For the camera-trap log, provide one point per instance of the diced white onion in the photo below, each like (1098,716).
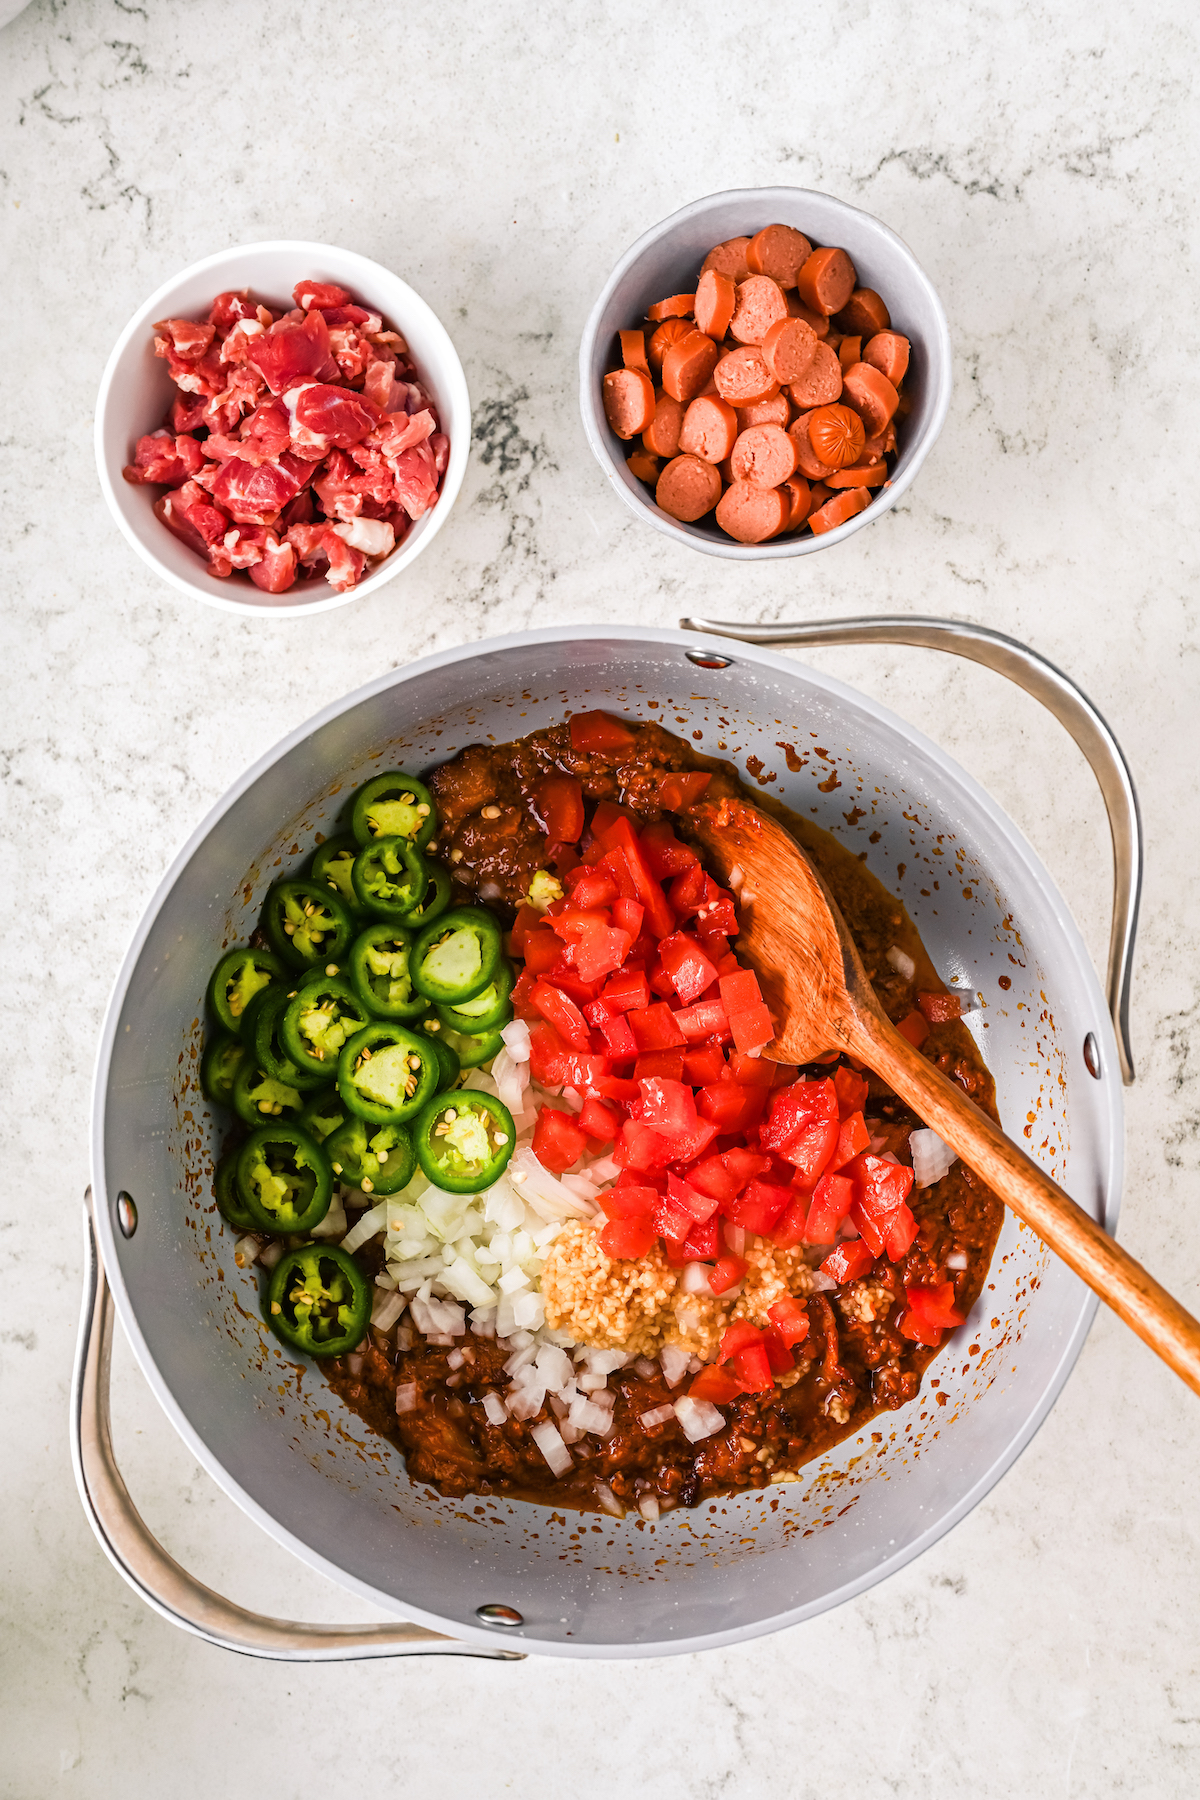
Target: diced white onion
(932,1156)
(270,1254)
(648,1507)
(820,1283)
(674,1364)
(608,1500)
(493,1406)
(516,1040)
(549,1441)
(902,962)
(369,1226)
(958,1259)
(335,1222)
(698,1418)
(245,1251)
(658,1415)
(695,1279)
(406,1397)
(387,1309)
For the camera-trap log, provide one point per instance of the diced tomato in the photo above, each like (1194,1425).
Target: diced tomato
(848,1261)
(758,1206)
(778,1355)
(547,1054)
(542,950)
(901,1233)
(629,1202)
(620,841)
(591,888)
(571,983)
(706,1019)
(599,732)
(832,1200)
(626,1238)
(628,915)
(881,1188)
(528,919)
(788,1229)
(672,1221)
(677,791)
(914,1028)
(665,855)
(600,950)
(615,1087)
(931,1311)
(557,1139)
(563,1014)
(731,1107)
(652,1064)
(617,869)
(737,1336)
(753,1369)
(654,1027)
(669,1106)
(638,1147)
(751,1071)
(583,1072)
(607,813)
(703,1242)
(660,982)
(627,991)
(803,1127)
(599,1121)
(790,1318)
(687,891)
(704,1064)
(727,1272)
(938,1009)
(717,1386)
(701,1206)
(851,1090)
(853,1139)
(613,1026)
(749,1020)
(688,968)
(726,1175)
(558,807)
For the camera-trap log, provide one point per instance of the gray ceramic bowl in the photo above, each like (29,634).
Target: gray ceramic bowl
(667,261)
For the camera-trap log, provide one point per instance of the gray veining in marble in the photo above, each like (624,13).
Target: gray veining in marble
(1042,161)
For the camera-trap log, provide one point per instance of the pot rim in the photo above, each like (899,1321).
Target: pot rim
(616,634)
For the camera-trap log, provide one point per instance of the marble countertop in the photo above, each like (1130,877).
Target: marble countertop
(1041,160)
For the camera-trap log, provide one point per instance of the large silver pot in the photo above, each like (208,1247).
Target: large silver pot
(695,1579)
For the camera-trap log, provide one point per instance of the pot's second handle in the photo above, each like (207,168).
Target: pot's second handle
(1070,706)
(156,1577)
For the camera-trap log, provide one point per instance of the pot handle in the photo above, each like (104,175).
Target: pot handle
(1070,706)
(156,1577)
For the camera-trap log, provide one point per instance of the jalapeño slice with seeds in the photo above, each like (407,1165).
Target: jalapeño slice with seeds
(306,922)
(488,1011)
(237,978)
(390,878)
(257,1097)
(317,1020)
(437,897)
(464,1140)
(457,956)
(283,1180)
(377,1159)
(469,1051)
(318,1301)
(394,805)
(446,1054)
(378,968)
(331,865)
(219,1066)
(386,1074)
(269,1046)
(229,1202)
(323,1114)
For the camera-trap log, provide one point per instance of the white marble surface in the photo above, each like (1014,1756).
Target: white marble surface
(1042,161)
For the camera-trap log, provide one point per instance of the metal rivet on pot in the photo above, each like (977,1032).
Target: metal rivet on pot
(500,1615)
(126,1214)
(1091,1055)
(708,659)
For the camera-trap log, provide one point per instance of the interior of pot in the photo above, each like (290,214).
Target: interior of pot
(274,1435)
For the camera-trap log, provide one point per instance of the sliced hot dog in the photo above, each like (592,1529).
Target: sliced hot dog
(871,395)
(644,466)
(661,340)
(823,382)
(688,364)
(865,313)
(776,410)
(633,350)
(849,352)
(788,349)
(843,506)
(628,401)
(760,303)
(765,456)
(728,258)
(798,310)
(887,351)
(688,488)
(800,499)
(819,495)
(807,460)
(743,378)
(752,514)
(675,306)
(661,436)
(710,428)
(716,296)
(826,281)
(860,475)
(778,251)
(836,435)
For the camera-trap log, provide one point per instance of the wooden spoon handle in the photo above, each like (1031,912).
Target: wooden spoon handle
(1098,1259)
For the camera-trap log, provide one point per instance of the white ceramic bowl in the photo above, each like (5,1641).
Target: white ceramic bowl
(667,261)
(136,390)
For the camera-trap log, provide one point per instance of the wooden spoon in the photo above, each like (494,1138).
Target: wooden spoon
(814,983)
